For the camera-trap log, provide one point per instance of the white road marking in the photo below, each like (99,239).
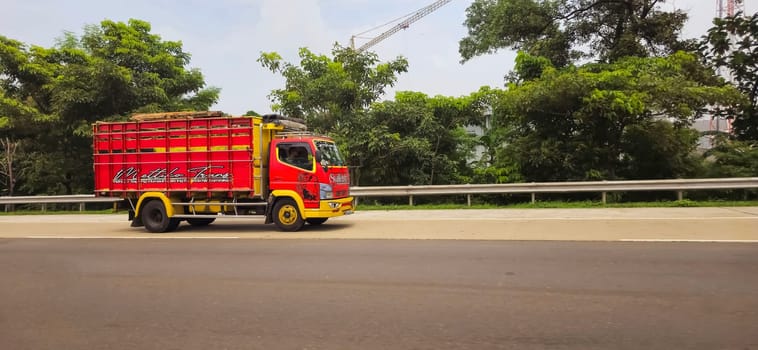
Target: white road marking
(690,240)
(590,218)
(126,237)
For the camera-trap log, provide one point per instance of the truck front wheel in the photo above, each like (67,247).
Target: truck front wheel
(155,219)
(287,216)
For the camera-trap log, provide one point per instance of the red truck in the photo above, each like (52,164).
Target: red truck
(200,166)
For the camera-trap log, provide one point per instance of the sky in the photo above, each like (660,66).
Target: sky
(225,37)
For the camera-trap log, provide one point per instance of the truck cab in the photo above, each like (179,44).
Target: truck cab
(309,172)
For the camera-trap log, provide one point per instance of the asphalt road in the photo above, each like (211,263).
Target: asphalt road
(387,280)
(376,294)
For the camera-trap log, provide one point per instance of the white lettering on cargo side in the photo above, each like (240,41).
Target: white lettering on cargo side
(161,175)
(125,175)
(204,174)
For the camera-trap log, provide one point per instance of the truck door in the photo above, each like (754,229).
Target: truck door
(294,168)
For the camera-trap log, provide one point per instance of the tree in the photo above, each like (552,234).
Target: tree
(731,158)
(50,96)
(333,94)
(8,165)
(627,119)
(658,149)
(414,139)
(564,30)
(328,92)
(418,140)
(732,45)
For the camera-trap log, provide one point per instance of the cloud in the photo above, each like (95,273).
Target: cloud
(294,23)
(229,59)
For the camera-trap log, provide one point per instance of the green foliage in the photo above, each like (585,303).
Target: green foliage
(731,158)
(628,119)
(426,142)
(656,149)
(564,30)
(415,139)
(50,96)
(8,165)
(442,205)
(328,92)
(496,164)
(529,67)
(732,45)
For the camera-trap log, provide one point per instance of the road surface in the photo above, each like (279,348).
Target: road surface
(677,278)
(376,294)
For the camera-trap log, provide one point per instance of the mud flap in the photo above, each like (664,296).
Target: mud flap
(136,221)
(269,207)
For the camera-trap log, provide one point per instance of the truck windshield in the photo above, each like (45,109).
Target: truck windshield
(329,153)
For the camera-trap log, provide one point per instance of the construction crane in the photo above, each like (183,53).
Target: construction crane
(398,27)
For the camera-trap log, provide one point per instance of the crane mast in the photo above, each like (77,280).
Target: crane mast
(400,26)
(726,8)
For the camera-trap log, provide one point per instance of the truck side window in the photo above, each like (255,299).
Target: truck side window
(296,155)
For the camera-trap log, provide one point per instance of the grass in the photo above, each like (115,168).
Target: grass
(59,212)
(564,205)
(537,205)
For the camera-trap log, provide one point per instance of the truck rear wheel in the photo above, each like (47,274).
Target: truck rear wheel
(287,216)
(200,221)
(155,219)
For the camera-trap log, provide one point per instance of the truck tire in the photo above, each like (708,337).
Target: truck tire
(286,215)
(200,221)
(155,219)
(315,221)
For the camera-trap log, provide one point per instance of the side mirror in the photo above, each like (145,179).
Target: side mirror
(324,163)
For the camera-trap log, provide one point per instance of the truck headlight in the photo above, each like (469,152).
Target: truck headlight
(325,191)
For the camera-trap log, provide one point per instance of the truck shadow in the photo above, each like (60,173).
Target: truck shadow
(251,227)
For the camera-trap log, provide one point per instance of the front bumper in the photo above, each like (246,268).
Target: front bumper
(331,208)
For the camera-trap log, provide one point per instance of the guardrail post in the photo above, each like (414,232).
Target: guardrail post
(605,197)
(680,195)
(81,207)
(534,198)
(44,207)
(410,200)
(468,199)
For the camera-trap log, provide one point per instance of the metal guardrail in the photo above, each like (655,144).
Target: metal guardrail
(81,199)
(603,187)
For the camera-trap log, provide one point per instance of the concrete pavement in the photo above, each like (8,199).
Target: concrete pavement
(735,224)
